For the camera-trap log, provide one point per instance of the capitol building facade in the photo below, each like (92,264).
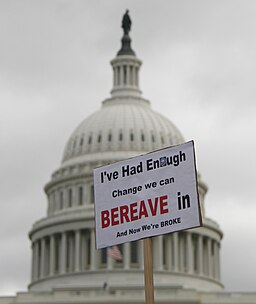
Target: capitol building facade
(66,267)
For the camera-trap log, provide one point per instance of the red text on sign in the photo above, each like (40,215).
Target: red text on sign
(134,211)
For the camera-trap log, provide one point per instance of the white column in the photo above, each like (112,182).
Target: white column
(58,199)
(53,199)
(213,262)
(209,257)
(70,250)
(63,253)
(33,262)
(218,258)
(176,251)
(52,255)
(110,261)
(68,264)
(168,253)
(36,264)
(77,250)
(84,250)
(216,263)
(190,253)
(159,250)
(47,257)
(218,254)
(205,256)
(114,77)
(49,204)
(42,262)
(127,255)
(181,251)
(140,254)
(85,196)
(155,253)
(200,254)
(93,252)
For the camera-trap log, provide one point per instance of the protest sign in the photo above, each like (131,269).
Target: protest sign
(147,195)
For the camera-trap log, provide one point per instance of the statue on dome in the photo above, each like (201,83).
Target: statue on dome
(126,23)
(126,40)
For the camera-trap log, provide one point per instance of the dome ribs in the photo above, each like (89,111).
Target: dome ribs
(123,125)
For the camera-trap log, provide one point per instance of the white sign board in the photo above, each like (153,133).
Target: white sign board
(145,196)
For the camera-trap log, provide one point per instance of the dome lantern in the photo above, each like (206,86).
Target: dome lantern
(126,65)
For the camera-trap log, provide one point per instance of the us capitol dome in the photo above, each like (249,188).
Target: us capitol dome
(63,243)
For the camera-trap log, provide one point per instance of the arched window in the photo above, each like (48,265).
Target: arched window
(90,139)
(109,137)
(88,257)
(92,194)
(125,75)
(80,195)
(118,76)
(61,200)
(70,197)
(53,201)
(131,80)
(132,137)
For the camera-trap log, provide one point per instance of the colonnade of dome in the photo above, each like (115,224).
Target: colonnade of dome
(73,251)
(126,75)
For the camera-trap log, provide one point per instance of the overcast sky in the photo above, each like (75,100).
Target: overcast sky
(199,70)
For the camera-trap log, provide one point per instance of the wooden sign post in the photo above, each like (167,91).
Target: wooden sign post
(148,270)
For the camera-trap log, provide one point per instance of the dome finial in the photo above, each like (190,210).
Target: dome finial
(126,40)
